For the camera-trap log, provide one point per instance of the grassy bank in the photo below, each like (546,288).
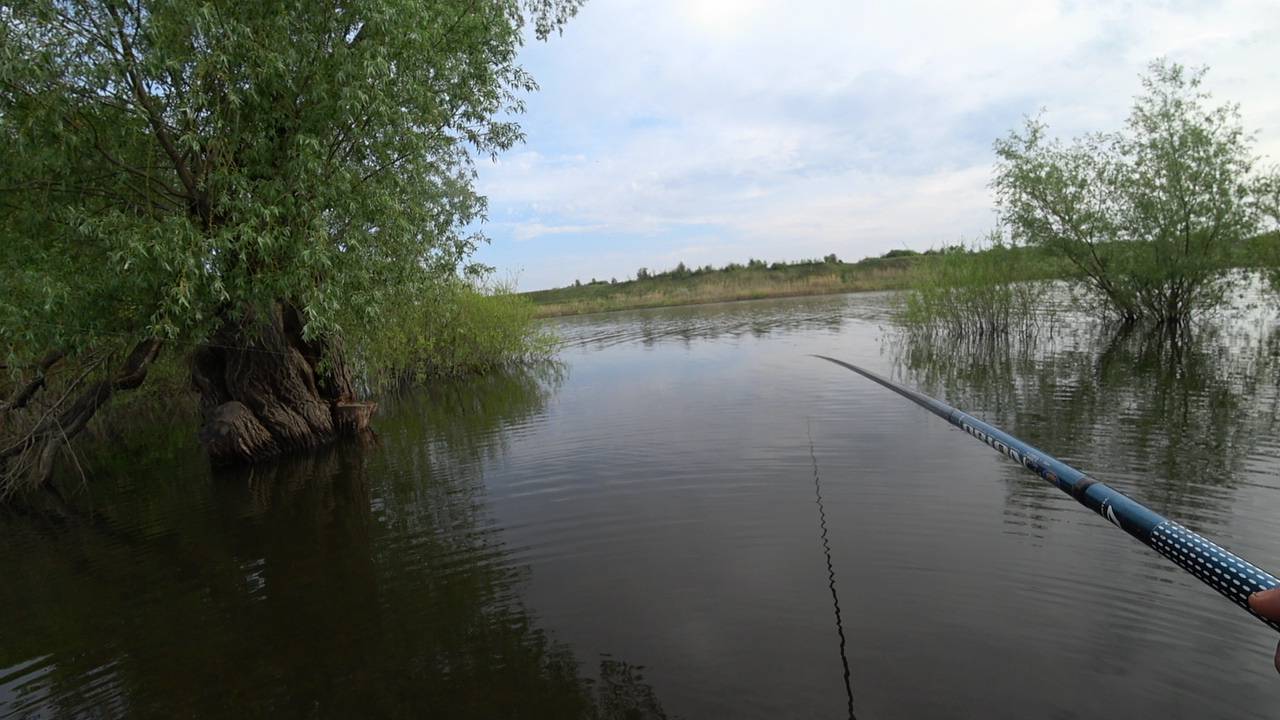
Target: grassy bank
(896,270)
(735,282)
(462,328)
(952,267)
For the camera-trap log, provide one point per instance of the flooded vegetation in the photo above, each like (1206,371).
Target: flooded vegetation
(357,581)
(560,542)
(988,293)
(275,442)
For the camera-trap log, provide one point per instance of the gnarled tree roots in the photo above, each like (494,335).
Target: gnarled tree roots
(265,390)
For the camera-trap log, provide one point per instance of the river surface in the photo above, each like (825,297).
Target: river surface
(687,516)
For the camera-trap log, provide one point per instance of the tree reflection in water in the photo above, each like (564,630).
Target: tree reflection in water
(309,588)
(1173,416)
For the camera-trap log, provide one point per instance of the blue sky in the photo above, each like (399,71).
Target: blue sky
(710,131)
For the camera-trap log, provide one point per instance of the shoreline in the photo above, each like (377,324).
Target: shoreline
(702,287)
(734,283)
(573,309)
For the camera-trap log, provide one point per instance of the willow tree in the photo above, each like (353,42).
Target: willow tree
(1152,215)
(248,183)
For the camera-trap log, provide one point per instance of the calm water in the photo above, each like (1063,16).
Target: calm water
(636,533)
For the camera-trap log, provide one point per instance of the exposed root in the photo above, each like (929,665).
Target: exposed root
(264,390)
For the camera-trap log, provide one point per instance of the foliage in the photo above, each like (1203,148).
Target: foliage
(734,281)
(166,166)
(1266,250)
(896,270)
(987,292)
(1149,215)
(461,328)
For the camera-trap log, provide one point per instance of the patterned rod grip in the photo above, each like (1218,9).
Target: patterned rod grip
(1233,577)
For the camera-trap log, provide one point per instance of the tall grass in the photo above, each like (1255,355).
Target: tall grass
(464,328)
(977,292)
(1263,252)
(740,283)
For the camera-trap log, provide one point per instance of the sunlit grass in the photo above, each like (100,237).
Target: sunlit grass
(725,286)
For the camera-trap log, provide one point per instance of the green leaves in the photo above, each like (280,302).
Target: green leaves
(456,327)
(1149,215)
(166,164)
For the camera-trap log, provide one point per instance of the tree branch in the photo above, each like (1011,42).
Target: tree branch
(34,453)
(147,103)
(24,394)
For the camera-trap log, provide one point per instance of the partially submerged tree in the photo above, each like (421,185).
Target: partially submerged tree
(1269,205)
(250,183)
(1148,215)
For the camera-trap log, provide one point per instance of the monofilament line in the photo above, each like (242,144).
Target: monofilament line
(831,572)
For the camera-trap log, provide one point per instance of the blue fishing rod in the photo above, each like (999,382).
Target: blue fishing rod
(1233,577)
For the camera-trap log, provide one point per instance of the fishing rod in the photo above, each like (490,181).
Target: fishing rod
(1232,576)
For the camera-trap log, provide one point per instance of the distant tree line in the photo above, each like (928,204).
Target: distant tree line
(682,271)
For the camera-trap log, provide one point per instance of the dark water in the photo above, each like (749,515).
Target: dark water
(635,534)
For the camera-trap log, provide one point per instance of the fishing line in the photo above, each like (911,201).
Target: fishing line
(831,572)
(1230,575)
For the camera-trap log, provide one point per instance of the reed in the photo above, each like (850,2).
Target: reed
(989,289)
(464,328)
(740,283)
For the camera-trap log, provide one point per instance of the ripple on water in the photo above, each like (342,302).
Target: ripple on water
(518,545)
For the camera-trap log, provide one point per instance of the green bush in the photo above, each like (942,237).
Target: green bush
(1148,215)
(983,293)
(464,328)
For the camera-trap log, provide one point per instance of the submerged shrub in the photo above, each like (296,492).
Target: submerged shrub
(1150,215)
(1266,248)
(979,292)
(465,327)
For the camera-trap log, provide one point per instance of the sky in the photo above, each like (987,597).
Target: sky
(713,131)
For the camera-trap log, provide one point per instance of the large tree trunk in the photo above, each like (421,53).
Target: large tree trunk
(264,390)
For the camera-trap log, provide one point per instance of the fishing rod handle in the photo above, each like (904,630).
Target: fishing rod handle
(1232,576)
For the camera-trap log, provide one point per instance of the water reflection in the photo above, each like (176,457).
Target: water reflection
(752,318)
(470,421)
(657,499)
(1184,412)
(309,588)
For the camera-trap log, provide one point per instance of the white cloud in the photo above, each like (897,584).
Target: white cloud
(531,230)
(785,130)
